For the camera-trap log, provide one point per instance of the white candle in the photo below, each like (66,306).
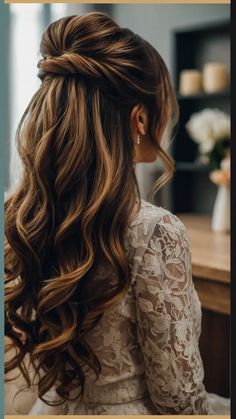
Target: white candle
(215,77)
(190,82)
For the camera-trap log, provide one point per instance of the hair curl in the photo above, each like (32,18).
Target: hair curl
(78,193)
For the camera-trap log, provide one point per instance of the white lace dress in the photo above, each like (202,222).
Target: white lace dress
(148,343)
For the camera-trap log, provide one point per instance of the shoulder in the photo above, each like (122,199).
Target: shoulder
(152,219)
(154,226)
(159,246)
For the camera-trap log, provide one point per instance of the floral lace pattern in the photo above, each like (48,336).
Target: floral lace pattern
(147,343)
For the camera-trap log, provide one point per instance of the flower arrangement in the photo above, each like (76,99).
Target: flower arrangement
(210,129)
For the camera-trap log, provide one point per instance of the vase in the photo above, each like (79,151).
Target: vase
(221,210)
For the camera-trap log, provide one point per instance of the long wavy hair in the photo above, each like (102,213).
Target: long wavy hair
(77,193)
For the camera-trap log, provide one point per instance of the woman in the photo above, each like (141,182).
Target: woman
(100,302)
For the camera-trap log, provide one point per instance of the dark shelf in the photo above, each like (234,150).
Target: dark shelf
(192,190)
(211,27)
(203,95)
(185,166)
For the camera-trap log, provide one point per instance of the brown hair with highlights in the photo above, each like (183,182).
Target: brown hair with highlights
(77,194)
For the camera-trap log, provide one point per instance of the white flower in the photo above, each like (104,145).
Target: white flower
(207,127)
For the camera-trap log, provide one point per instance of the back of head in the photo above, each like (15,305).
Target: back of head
(78,191)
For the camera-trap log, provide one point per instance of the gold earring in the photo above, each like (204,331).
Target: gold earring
(138,139)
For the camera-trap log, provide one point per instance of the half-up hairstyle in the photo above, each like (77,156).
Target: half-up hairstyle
(77,194)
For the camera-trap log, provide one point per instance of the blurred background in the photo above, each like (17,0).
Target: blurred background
(194,41)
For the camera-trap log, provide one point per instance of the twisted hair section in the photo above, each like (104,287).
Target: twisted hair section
(77,195)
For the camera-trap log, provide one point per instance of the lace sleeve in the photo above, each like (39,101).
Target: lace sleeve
(168,322)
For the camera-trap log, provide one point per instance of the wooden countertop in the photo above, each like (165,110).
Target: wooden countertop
(210,250)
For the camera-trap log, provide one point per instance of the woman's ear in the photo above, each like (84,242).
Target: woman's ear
(139,120)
